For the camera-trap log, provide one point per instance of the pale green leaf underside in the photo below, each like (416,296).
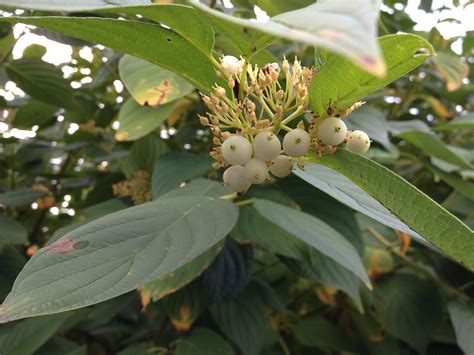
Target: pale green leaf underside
(462,318)
(348,27)
(410,205)
(118,253)
(315,233)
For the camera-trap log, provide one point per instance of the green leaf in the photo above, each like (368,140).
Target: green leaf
(464,187)
(340,83)
(315,233)
(349,29)
(12,232)
(150,84)
(397,127)
(118,253)
(174,168)
(431,145)
(145,152)
(41,80)
(184,20)
(275,7)
(410,307)
(26,336)
(462,318)
(460,122)
(20,197)
(254,227)
(203,341)
(325,271)
(405,201)
(61,5)
(316,332)
(137,121)
(243,319)
(35,112)
(451,68)
(169,49)
(11,263)
(200,187)
(179,278)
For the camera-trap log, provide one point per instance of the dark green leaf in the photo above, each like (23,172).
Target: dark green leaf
(431,145)
(118,253)
(411,308)
(20,197)
(12,232)
(34,113)
(460,122)
(169,49)
(145,152)
(41,80)
(26,336)
(316,332)
(203,341)
(174,168)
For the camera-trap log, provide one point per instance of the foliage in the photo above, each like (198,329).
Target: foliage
(117,235)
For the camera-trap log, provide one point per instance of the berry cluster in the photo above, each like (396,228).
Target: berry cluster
(247,118)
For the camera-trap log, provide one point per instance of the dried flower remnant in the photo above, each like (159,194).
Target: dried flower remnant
(138,188)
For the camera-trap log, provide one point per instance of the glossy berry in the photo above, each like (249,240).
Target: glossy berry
(281,166)
(256,171)
(332,131)
(235,180)
(236,150)
(296,143)
(266,146)
(231,65)
(358,142)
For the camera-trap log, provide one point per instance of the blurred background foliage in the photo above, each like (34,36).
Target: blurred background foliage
(71,151)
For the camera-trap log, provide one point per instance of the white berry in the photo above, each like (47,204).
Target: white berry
(266,146)
(256,171)
(231,65)
(358,142)
(236,150)
(234,178)
(281,166)
(332,131)
(296,143)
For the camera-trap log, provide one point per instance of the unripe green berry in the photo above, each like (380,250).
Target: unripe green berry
(358,142)
(256,171)
(236,150)
(234,178)
(281,166)
(332,131)
(266,146)
(296,143)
